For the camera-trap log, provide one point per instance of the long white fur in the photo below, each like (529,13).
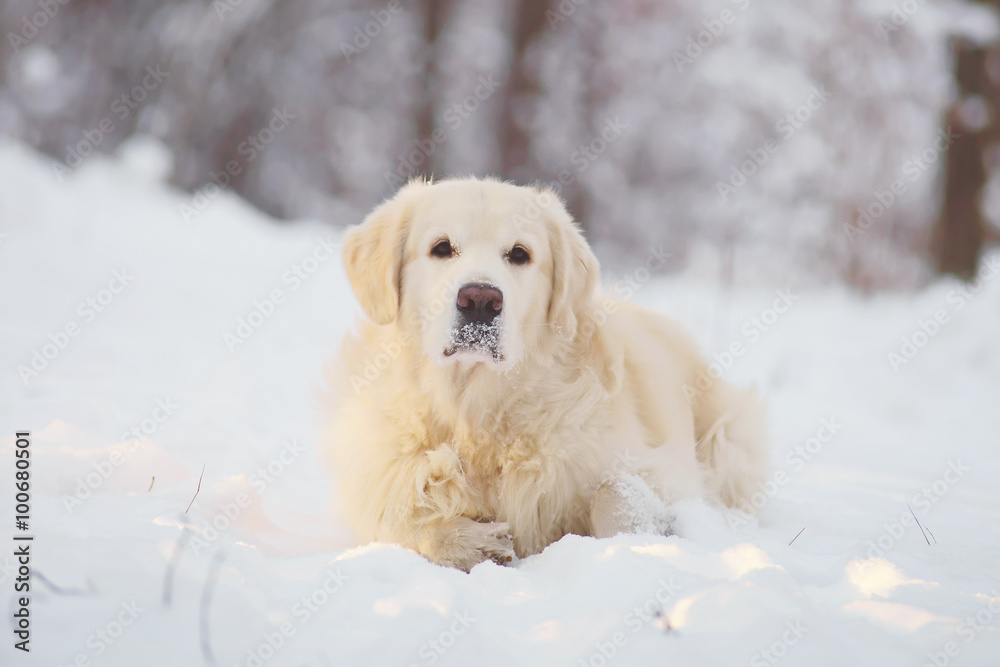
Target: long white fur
(465,458)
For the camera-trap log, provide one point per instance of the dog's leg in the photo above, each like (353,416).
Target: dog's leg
(626,504)
(428,505)
(732,448)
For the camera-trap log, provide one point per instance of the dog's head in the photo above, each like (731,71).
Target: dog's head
(472,271)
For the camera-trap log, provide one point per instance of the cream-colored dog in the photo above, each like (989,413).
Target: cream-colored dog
(495,401)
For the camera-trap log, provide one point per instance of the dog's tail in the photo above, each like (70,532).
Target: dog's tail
(732,445)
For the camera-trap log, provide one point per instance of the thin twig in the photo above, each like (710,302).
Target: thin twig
(797,535)
(56,588)
(151,484)
(662,622)
(206,604)
(198,490)
(922,532)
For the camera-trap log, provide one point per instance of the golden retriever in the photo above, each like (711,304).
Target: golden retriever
(493,401)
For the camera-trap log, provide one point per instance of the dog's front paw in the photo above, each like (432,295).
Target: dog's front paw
(497,543)
(464,543)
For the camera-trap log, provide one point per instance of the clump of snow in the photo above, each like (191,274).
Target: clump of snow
(147,157)
(260,572)
(477,337)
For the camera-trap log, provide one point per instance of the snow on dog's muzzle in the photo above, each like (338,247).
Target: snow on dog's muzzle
(477,323)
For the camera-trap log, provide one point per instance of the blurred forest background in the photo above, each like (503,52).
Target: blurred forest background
(828,140)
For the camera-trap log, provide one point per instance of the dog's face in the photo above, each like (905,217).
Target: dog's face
(472,271)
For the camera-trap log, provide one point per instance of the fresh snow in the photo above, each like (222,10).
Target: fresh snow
(160,351)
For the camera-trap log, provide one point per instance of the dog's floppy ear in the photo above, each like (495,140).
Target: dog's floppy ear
(373,255)
(576,273)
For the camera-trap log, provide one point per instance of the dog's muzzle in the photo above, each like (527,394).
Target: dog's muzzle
(477,321)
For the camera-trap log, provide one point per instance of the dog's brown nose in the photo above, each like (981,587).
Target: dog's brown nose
(479,303)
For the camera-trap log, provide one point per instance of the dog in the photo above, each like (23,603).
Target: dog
(492,400)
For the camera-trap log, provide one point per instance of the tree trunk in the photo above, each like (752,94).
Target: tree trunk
(959,233)
(435,13)
(515,139)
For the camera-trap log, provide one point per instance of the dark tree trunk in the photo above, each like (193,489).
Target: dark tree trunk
(521,88)
(959,233)
(435,14)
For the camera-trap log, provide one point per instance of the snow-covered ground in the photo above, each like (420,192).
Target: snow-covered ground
(132,355)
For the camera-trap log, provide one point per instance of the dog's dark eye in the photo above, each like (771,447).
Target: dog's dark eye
(442,250)
(518,255)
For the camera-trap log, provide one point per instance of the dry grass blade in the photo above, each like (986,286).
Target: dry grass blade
(56,588)
(196,491)
(920,526)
